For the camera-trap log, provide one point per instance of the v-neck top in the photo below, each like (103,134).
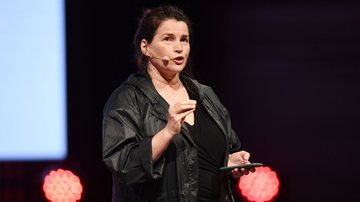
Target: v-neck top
(210,142)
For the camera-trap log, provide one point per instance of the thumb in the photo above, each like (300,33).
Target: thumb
(245,155)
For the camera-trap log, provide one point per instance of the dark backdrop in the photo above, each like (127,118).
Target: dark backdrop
(287,72)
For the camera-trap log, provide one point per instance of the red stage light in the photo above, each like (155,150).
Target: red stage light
(261,186)
(62,186)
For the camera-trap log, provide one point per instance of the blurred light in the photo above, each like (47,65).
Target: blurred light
(263,185)
(33,109)
(62,185)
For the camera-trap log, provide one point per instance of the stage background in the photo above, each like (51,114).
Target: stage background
(287,72)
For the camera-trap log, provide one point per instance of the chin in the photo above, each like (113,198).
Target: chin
(176,68)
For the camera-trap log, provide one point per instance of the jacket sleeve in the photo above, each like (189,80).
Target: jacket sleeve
(127,151)
(233,141)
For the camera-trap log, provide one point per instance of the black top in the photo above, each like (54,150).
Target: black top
(211,150)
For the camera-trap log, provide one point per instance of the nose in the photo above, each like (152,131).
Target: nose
(178,47)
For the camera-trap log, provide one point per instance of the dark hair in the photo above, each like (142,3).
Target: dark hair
(149,23)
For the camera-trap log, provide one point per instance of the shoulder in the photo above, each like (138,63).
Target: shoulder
(200,88)
(127,95)
(206,91)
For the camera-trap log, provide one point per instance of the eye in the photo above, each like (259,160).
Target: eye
(186,40)
(167,38)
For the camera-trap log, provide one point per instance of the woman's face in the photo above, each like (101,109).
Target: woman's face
(170,47)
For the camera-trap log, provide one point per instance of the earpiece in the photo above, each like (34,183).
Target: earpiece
(166,59)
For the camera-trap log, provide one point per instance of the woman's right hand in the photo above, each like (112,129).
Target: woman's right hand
(176,117)
(177,114)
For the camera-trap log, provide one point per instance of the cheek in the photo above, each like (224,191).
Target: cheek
(157,49)
(164,50)
(187,50)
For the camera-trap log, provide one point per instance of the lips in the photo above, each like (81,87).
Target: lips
(178,60)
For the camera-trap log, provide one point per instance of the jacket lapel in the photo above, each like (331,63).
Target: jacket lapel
(160,106)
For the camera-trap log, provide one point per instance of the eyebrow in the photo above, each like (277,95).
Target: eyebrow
(171,34)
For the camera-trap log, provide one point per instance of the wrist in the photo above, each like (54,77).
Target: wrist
(166,133)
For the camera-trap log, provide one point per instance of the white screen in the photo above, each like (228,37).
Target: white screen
(32,80)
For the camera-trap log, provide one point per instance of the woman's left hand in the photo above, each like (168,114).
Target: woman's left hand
(241,157)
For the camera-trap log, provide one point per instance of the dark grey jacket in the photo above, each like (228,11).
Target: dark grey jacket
(133,114)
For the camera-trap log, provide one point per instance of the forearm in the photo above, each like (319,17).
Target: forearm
(176,117)
(160,142)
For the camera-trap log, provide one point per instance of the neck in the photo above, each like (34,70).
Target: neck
(162,80)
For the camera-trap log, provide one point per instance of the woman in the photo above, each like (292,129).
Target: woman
(165,135)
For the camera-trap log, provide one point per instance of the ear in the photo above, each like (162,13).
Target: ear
(144,47)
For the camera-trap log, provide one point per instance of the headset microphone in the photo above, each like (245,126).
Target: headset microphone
(164,59)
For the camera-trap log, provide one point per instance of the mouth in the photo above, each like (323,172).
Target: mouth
(179,60)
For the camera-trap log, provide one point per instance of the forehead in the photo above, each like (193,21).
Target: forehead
(172,26)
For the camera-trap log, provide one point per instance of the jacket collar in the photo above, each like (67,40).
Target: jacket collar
(143,82)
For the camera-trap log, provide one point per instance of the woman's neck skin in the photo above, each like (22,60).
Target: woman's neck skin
(163,81)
